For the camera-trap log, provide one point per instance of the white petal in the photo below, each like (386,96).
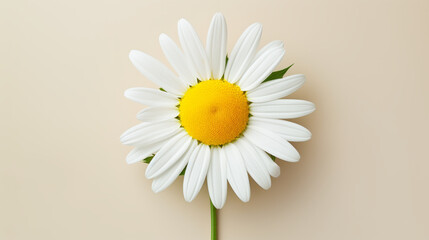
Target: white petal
(194,50)
(272,143)
(271,166)
(155,114)
(282,108)
(216,45)
(243,53)
(288,130)
(254,165)
(155,71)
(196,172)
(273,44)
(177,59)
(276,89)
(149,133)
(261,68)
(168,177)
(151,97)
(141,152)
(236,171)
(169,154)
(216,178)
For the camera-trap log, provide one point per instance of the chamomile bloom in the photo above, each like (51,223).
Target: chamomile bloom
(217,119)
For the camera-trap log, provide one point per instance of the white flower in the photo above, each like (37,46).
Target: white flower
(217,119)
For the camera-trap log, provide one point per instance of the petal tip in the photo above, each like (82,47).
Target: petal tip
(182,22)
(218,16)
(245,199)
(133,53)
(149,173)
(313,107)
(187,197)
(155,188)
(301,78)
(127,92)
(258,26)
(276,174)
(130,162)
(217,205)
(162,37)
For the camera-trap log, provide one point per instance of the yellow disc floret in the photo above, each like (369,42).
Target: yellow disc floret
(214,112)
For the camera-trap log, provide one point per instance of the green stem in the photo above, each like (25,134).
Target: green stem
(213,221)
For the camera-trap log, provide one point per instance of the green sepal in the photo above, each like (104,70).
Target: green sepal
(148,159)
(183,171)
(272,157)
(226,62)
(277,74)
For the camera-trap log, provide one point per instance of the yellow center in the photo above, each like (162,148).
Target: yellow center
(214,112)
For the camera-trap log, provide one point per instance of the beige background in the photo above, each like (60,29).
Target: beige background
(64,66)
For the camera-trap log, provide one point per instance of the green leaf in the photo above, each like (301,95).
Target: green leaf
(277,74)
(148,159)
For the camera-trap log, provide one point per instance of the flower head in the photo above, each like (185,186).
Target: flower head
(218,119)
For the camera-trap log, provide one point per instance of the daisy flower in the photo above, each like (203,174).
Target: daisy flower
(219,118)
